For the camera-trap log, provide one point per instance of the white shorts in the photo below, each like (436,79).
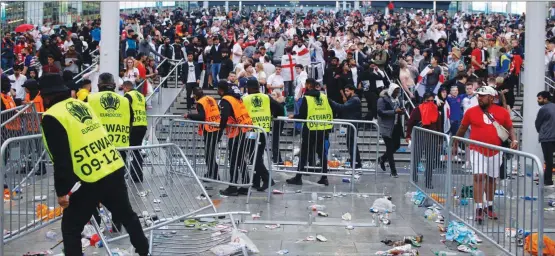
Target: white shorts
(486,165)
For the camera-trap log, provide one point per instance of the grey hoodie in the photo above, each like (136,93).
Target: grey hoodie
(545,121)
(146,49)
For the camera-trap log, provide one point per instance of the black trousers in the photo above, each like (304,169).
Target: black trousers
(136,139)
(548,148)
(350,140)
(189,87)
(312,144)
(277,127)
(261,172)
(391,145)
(237,158)
(372,104)
(211,140)
(289,88)
(111,191)
(164,71)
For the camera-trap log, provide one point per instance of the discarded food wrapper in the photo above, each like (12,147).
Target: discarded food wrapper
(356,176)
(156,201)
(207,219)
(282,252)
(47,252)
(349,227)
(162,188)
(349,172)
(143,193)
(310,238)
(321,238)
(320,198)
(272,226)
(277,192)
(327,196)
(256,216)
(145,214)
(346,216)
(382,205)
(156,209)
(322,214)
(298,191)
(163,195)
(346,180)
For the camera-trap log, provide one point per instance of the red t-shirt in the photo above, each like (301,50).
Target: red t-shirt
(482,129)
(477,53)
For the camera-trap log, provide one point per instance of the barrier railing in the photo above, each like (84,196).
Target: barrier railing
(169,193)
(219,159)
(427,149)
(368,144)
(19,121)
(158,89)
(474,186)
(311,158)
(28,192)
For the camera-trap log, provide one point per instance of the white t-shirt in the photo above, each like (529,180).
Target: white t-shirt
(191,76)
(236,50)
(17,86)
(131,75)
(275,80)
(67,44)
(269,68)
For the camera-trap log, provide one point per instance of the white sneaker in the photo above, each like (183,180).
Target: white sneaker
(549,186)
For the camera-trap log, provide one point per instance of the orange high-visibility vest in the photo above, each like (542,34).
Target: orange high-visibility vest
(10,103)
(241,116)
(211,114)
(33,124)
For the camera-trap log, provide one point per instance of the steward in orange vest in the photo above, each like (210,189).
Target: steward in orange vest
(208,111)
(8,103)
(233,111)
(33,96)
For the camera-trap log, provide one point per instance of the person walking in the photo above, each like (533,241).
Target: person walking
(314,106)
(233,111)
(545,121)
(389,111)
(208,111)
(69,127)
(261,108)
(350,110)
(138,127)
(427,116)
(485,162)
(191,77)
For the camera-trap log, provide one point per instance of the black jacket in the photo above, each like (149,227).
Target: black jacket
(226,68)
(185,71)
(216,55)
(352,109)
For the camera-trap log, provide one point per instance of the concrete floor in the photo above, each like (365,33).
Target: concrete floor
(290,209)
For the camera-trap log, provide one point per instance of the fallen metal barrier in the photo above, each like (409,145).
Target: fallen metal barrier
(217,158)
(29,188)
(170,193)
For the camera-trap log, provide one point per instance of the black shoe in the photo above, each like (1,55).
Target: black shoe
(294,181)
(257,187)
(230,191)
(41,171)
(382,164)
(243,191)
(394,175)
(324,181)
(358,166)
(429,186)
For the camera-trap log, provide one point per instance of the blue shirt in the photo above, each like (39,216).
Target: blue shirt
(95,34)
(455,105)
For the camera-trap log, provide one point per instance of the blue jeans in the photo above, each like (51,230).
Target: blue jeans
(215,70)
(492,70)
(455,127)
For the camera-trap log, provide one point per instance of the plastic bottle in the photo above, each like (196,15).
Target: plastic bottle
(314,196)
(445,253)
(317,207)
(51,235)
(477,253)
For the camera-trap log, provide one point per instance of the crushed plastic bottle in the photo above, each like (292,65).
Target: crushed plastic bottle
(317,207)
(51,235)
(445,253)
(421,167)
(477,253)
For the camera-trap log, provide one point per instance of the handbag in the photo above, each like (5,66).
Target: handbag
(502,133)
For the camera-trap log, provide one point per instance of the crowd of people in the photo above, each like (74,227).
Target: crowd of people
(443,72)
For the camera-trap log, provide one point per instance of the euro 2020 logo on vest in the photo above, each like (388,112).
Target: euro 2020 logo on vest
(139,98)
(318,101)
(79,111)
(109,102)
(256,102)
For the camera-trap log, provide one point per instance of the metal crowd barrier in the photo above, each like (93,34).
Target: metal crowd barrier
(216,158)
(30,201)
(428,172)
(328,153)
(480,171)
(19,121)
(170,193)
(158,90)
(368,136)
(316,70)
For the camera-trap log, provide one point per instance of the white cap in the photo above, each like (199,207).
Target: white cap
(486,90)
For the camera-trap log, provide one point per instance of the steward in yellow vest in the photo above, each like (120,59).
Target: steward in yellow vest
(139,125)
(208,111)
(261,108)
(233,111)
(314,106)
(113,110)
(81,151)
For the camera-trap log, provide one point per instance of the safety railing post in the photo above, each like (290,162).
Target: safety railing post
(449,183)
